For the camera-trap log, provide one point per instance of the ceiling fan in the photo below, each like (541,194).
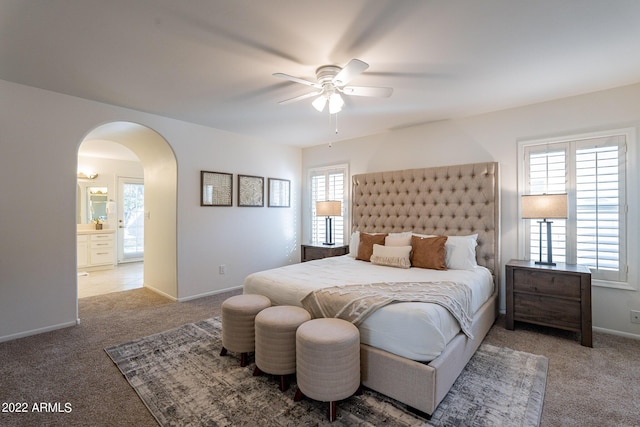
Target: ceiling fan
(333,81)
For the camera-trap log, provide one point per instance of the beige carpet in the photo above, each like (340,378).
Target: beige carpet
(597,386)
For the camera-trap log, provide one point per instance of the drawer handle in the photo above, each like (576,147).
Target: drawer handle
(102,253)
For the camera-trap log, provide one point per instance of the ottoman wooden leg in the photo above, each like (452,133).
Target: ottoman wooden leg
(284,383)
(243,357)
(332,410)
(299,396)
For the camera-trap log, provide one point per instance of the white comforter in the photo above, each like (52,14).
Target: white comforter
(415,330)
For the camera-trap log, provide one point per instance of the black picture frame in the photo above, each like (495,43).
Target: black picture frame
(279,194)
(216,188)
(250,191)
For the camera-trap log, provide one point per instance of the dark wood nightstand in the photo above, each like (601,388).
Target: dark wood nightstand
(313,251)
(558,296)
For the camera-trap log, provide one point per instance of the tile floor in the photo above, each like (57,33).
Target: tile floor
(124,277)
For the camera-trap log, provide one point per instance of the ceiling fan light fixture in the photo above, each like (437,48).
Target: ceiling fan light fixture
(319,103)
(331,81)
(335,103)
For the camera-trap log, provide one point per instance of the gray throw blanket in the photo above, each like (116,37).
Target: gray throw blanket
(355,302)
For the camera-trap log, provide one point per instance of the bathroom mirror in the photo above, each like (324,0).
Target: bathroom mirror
(92,203)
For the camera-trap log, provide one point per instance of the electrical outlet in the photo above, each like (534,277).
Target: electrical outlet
(222,269)
(635,316)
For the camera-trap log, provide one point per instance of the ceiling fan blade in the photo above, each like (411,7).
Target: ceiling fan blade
(352,69)
(297,80)
(301,97)
(382,92)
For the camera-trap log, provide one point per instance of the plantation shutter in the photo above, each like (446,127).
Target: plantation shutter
(600,205)
(328,184)
(592,173)
(547,174)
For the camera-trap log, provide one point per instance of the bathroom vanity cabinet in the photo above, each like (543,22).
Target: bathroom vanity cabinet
(96,249)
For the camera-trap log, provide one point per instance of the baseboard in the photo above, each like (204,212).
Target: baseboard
(619,333)
(159,292)
(207,294)
(37,331)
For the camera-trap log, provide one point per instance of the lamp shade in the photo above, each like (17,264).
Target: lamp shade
(319,103)
(329,208)
(544,206)
(335,103)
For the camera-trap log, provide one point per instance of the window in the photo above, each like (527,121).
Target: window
(328,183)
(592,171)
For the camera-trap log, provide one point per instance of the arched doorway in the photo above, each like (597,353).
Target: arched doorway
(160,199)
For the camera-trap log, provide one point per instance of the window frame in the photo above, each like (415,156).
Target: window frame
(339,238)
(629,222)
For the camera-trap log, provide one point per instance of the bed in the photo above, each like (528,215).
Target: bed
(411,351)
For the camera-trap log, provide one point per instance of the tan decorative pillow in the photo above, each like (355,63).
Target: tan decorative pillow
(398,239)
(391,256)
(365,248)
(429,252)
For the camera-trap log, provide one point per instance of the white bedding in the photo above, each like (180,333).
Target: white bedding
(417,331)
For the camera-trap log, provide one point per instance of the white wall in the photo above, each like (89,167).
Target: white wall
(244,239)
(39,139)
(494,137)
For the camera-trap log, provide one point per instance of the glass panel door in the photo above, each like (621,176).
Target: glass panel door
(130,219)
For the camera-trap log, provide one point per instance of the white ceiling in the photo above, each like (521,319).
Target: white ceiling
(211,62)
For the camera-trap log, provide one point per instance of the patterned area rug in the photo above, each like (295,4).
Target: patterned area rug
(181,378)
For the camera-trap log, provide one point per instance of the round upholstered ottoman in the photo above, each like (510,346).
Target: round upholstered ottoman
(276,340)
(238,329)
(327,361)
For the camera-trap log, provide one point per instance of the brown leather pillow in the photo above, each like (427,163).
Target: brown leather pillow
(428,252)
(365,248)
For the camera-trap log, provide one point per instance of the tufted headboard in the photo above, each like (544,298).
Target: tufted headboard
(446,200)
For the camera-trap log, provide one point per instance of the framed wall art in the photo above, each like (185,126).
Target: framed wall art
(216,188)
(279,193)
(250,190)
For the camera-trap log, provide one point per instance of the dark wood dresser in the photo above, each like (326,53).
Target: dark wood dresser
(558,296)
(313,251)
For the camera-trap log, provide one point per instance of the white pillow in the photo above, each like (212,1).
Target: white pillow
(398,239)
(354,242)
(392,256)
(424,236)
(461,252)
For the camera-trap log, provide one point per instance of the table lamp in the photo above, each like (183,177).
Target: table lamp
(545,206)
(328,209)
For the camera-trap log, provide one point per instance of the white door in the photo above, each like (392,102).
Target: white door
(130,219)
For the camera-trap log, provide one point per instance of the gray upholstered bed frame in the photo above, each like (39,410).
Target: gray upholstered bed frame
(449,200)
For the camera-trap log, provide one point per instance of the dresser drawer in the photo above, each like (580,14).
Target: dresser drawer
(548,311)
(106,237)
(548,283)
(102,256)
(101,244)
(101,241)
(311,252)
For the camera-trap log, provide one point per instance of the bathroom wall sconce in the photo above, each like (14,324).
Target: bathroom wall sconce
(87,175)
